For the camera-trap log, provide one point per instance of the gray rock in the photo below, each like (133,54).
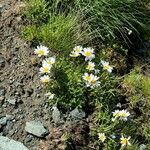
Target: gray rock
(36,128)
(2,61)
(10,117)
(9,126)
(2,91)
(56,114)
(28,139)
(76,114)
(3,121)
(9,144)
(12,101)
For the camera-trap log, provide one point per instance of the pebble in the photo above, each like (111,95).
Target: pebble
(56,114)
(2,91)
(11,101)
(76,114)
(9,144)
(3,121)
(36,128)
(2,61)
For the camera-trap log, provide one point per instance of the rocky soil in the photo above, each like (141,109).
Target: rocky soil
(25,117)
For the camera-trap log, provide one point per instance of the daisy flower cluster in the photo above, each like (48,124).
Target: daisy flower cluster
(91,79)
(120,115)
(47,63)
(124,141)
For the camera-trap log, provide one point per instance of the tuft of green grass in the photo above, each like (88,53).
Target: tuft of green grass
(110,20)
(137,84)
(36,11)
(60,33)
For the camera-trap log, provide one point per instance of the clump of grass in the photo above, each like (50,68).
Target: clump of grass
(36,11)
(57,29)
(109,19)
(59,33)
(137,90)
(137,84)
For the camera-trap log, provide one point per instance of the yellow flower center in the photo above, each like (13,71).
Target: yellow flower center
(49,62)
(123,115)
(88,78)
(88,54)
(78,50)
(90,67)
(46,80)
(125,141)
(46,69)
(41,52)
(106,67)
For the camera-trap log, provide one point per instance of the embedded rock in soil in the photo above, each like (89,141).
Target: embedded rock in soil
(56,114)
(3,121)
(12,101)
(9,144)
(2,91)
(36,128)
(2,62)
(76,114)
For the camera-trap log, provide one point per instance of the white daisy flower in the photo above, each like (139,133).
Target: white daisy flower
(95,82)
(45,68)
(124,114)
(102,137)
(74,54)
(88,77)
(41,51)
(121,115)
(88,53)
(78,49)
(45,79)
(115,115)
(106,66)
(125,141)
(50,60)
(90,66)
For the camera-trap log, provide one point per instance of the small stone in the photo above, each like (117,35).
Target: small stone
(56,114)
(2,61)
(12,101)
(9,144)
(9,117)
(9,125)
(76,114)
(28,138)
(2,91)
(2,98)
(36,128)
(3,121)
(34,61)
(1,6)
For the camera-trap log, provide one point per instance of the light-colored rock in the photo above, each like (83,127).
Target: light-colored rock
(56,114)
(12,101)
(9,144)
(36,128)
(3,121)
(76,114)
